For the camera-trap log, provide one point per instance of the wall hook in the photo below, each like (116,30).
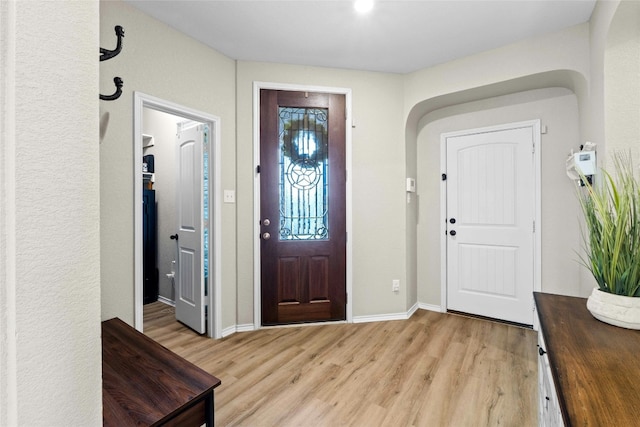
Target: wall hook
(118,82)
(108,54)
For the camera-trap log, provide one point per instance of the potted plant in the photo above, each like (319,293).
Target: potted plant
(611,238)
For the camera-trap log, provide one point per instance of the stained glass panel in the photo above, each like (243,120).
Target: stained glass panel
(304,183)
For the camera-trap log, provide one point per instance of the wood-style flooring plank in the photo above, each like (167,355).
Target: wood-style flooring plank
(434,369)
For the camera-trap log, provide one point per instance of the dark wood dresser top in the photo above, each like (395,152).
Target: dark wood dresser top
(143,383)
(595,366)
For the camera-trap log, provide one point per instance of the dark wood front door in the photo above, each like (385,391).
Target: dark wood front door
(303,205)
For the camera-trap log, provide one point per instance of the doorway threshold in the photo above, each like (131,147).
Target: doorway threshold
(490,319)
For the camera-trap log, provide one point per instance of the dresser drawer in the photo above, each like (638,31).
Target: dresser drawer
(549,414)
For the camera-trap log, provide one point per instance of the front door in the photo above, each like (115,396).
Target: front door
(303,207)
(490,222)
(192,207)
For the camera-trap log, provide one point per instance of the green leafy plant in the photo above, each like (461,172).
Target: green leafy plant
(612,235)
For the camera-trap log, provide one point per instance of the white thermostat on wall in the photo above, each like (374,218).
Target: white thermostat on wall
(586,162)
(411,185)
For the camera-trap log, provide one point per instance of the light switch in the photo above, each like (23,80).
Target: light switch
(411,185)
(229,196)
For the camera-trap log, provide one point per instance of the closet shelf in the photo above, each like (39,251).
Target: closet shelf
(147,141)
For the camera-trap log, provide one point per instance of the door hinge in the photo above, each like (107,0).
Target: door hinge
(258,169)
(444,176)
(534,225)
(346,298)
(533,148)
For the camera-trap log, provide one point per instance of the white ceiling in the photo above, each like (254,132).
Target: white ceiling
(397,36)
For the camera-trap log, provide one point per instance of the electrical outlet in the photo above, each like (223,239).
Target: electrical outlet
(395,285)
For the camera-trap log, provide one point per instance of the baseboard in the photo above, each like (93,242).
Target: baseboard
(166,300)
(356,319)
(381,317)
(391,316)
(248,327)
(237,328)
(431,307)
(412,310)
(228,331)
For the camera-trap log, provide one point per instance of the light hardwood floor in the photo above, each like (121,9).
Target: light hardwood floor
(431,370)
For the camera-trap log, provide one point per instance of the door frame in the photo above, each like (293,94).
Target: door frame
(257,86)
(213,299)
(537,195)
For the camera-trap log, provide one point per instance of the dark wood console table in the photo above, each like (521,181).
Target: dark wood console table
(595,366)
(145,384)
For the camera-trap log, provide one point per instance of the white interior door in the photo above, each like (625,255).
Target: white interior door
(490,190)
(190,269)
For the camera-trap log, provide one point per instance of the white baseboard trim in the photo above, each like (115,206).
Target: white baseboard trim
(356,319)
(248,327)
(386,317)
(431,307)
(237,328)
(228,331)
(166,300)
(381,317)
(412,310)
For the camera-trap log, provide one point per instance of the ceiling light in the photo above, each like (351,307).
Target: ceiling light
(363,6)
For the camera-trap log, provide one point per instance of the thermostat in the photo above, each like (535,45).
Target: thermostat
(586,162)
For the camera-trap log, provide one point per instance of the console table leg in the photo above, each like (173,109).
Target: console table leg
(208,407)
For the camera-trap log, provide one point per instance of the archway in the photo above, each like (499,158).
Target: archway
(537,89)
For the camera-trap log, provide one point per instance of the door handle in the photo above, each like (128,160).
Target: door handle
(266,222)
(174,236)
(453,232)
(266,236)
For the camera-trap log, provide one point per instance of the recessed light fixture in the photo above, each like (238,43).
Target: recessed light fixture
(363,6)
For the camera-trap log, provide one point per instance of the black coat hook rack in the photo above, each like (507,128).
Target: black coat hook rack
(118,82)
(108,54)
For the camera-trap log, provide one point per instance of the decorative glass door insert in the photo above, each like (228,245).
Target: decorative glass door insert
(303,174)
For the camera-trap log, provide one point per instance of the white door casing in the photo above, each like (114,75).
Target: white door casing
(190,275)
(214,296)
(491,188)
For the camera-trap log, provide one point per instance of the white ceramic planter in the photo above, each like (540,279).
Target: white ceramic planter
(616,310)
